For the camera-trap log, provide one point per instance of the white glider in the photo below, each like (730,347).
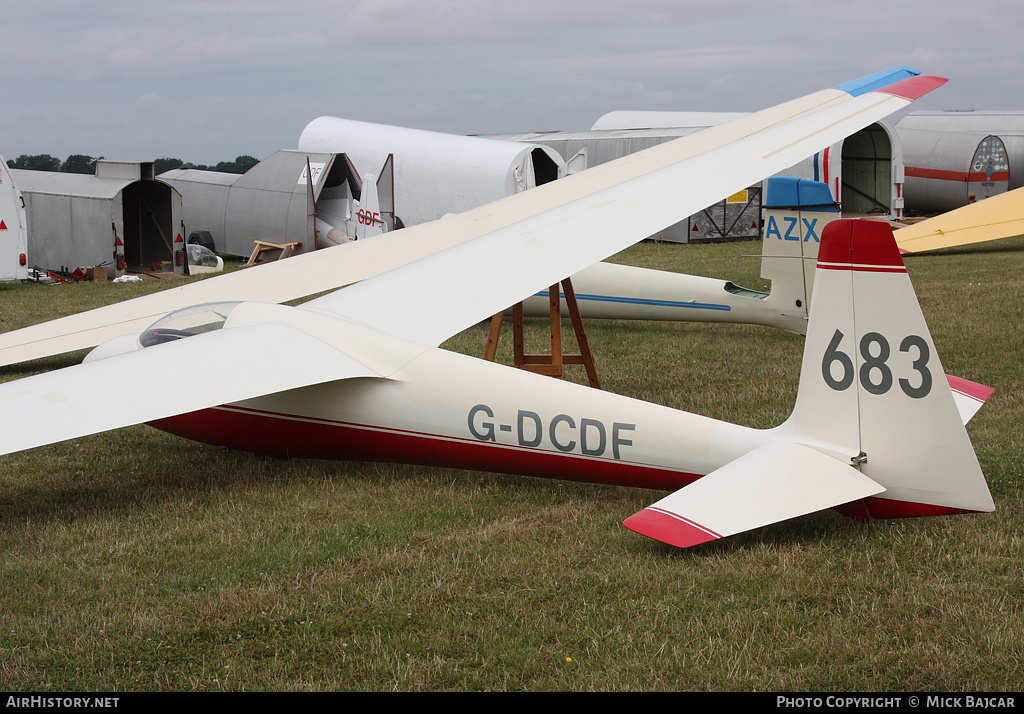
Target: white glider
(875,430)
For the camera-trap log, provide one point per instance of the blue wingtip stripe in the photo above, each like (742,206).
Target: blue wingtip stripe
(877,80)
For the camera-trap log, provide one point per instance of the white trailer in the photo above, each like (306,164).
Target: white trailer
(436,173)
(865,172)
(13,228)
(1007,125)
(947,170)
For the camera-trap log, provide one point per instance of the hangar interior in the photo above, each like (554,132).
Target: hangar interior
(148,224)
(867,180)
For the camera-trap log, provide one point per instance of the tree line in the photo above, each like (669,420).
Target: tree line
(83,164)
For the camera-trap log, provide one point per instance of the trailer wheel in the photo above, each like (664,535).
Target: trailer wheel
(203,238)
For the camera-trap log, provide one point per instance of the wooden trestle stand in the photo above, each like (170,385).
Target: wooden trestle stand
(549,364)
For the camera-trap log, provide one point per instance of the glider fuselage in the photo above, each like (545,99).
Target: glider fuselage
(451,410)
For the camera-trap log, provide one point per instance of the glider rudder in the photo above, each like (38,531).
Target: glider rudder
(872,388)
(796,212)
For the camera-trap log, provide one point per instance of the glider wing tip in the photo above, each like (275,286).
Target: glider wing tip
(913,87)
(668,528)
(877,80)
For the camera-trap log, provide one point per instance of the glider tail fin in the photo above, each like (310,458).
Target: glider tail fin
(370,221)
(872,388)
(796,213)
(875,432)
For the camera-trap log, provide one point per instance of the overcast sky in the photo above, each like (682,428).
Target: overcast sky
(208,81)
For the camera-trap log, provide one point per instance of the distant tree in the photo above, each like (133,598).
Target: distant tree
(80,164)
(36,162)
(240,165)
(163,165)
(244,163)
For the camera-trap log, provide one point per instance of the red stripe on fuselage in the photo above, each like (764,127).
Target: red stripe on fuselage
(957,176)
(876,508)
(295,436)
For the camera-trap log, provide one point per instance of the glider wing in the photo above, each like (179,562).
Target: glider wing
(996,217)
(272,348)
(471,266)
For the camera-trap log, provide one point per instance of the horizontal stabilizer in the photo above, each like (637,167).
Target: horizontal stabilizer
(772,483)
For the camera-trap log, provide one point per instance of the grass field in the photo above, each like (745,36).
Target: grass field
(135,560)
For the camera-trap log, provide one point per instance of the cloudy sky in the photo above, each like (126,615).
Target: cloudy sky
(208,81)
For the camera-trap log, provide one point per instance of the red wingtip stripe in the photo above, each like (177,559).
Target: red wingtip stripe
(913,87)
(861,244)
(669,528)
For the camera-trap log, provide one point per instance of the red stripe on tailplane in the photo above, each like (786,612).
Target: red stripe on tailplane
(669,528)
(861,245)
(971,389)
(913,87)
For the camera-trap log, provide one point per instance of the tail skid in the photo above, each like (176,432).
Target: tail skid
(875,433)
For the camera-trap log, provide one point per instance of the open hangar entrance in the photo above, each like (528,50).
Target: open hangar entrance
(148,228)
(872,173)
(121,218)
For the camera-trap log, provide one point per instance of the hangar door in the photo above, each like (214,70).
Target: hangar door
(867,172)
(147,229)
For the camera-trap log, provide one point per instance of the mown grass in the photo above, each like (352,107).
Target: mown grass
(135,560)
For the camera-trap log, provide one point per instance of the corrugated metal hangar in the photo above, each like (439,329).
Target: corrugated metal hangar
(122,217)
(274,201)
